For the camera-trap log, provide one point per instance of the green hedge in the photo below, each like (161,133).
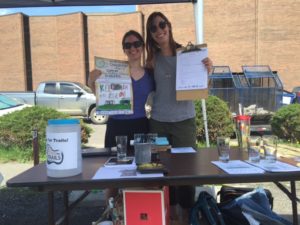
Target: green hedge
(286,123)
(16,129)
(219,119)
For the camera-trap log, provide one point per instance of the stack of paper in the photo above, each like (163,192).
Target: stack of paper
(275,167)
(238,167)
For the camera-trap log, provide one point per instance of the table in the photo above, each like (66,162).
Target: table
(184,169)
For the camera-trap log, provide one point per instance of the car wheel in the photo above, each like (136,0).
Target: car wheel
(98,119)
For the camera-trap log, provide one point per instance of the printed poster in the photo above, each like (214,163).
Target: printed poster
(114,88)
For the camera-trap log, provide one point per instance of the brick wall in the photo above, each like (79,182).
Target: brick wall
(279,39)
(105,33)
(57,48)
(12,60)
(261,32)
(238,32)
(243,32)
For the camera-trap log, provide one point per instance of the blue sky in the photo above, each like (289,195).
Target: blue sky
(63,10)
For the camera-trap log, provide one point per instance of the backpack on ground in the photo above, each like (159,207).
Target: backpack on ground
(229,193)
(251,208)
(206,211)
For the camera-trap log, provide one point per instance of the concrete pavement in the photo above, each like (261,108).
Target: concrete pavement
(11,169)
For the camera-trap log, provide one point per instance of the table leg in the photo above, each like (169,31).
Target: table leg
(292,196)
(51,208)
(294,203)
(66,204)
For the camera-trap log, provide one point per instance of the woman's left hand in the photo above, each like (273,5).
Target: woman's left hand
(208,64)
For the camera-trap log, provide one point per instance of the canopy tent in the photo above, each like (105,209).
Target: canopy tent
(47,3)
(198,14)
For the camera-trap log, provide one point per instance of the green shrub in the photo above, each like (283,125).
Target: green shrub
(16,129)
(286,123)
(219,119)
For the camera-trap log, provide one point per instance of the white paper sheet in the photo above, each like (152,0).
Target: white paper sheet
(237,167)
(183,150)
(191,74)
(121,173)
(275,167)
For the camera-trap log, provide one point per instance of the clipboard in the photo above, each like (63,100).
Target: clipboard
(192,94)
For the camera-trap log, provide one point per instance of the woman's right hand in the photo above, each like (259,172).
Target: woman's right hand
(93,76)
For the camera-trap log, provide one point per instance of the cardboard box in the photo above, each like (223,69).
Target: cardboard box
(146,206)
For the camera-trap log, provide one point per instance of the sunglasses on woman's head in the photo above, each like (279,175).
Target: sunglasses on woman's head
(136,44)
(162,25)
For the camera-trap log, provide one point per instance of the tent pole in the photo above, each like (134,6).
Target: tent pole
(198,16)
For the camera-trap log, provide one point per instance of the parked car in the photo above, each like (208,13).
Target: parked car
(73,98)
(296,91)
(9,105)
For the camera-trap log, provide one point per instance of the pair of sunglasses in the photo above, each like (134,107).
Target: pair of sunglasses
(136,44)
(162,25)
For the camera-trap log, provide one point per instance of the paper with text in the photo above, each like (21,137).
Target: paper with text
(275,167)
(191,74)
(121,173)
(113,88)
(237,167)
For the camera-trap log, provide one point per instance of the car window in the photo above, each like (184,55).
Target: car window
(84,87)
(7,102)
(50,88)
(68,89)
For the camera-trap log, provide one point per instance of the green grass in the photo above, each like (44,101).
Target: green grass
(16,154)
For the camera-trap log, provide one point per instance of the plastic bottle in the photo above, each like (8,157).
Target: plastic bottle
(63,147)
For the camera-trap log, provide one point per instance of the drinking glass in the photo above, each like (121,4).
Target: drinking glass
(139,138)
(270,148)
(151,137)
(142,152)
(254,146)
(121,142)
(223,148)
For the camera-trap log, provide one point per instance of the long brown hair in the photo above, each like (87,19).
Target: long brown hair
(151,45)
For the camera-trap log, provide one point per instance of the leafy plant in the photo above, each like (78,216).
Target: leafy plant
(16,129)
(219,119)
(286,123)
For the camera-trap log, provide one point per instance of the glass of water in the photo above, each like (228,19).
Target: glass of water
(270,148)
(253,146)
(121,142)
(223,148)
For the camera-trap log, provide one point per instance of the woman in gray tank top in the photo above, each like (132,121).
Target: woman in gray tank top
(169,117)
